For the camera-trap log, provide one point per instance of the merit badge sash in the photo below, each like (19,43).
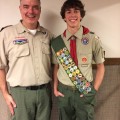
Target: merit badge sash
(69,66)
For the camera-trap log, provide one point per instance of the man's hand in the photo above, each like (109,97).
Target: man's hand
(10,102)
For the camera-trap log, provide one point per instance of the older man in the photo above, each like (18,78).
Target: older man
(25,51)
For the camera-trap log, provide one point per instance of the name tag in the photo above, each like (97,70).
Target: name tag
(84,65)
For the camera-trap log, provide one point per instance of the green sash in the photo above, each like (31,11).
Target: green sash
(69,66)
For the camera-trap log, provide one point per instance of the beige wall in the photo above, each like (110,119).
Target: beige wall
(102,17)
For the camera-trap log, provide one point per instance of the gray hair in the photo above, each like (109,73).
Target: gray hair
(38,1)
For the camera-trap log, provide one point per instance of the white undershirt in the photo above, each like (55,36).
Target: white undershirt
(33,31)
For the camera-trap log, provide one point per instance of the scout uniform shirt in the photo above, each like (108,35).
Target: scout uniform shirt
(27,56)
(88,48)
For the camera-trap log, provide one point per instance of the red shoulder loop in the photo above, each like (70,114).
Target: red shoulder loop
(85,30)
(64,33)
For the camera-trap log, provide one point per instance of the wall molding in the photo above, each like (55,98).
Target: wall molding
(112,61)
(109,61)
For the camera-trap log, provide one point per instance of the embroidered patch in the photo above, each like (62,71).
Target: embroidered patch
(85,41)
(20,41)
(73,71)
(84,59)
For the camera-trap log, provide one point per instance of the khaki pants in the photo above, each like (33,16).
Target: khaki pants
(74,107)
(32,104)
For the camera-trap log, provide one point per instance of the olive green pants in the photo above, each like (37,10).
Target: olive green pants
(32,104)
(74,107)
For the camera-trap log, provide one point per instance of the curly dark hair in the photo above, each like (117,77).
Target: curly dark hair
(77,4)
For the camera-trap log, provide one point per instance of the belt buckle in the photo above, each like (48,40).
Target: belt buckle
(36,87)
(32,88)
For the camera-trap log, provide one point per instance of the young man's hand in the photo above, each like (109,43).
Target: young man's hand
(57,93)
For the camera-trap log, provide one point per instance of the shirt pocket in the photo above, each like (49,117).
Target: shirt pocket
(46,48)
(22,50)
(85,59)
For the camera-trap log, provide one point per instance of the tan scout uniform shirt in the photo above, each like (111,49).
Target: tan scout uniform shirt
(86,54)
(29,62)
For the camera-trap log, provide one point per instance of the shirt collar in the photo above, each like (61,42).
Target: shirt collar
(22,29)
(78,34)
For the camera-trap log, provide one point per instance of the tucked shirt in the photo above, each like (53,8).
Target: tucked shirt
(89,50)
(27,56)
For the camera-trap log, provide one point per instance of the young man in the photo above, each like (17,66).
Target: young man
(25,52)
(75,50)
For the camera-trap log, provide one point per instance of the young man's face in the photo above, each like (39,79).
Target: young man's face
(72,18)
(30,12)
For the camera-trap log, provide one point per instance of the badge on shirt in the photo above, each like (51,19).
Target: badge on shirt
(20,41)
(84,59)
(85,41)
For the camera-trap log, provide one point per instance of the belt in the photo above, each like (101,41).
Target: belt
(72,88)
(34,87)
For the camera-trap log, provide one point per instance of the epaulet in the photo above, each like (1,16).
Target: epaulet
(85,30)
(95,36)
(4,27)
(43,30)
(92,32)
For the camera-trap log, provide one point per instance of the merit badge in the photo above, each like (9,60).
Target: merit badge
(85,41)
(20,41)
(58,53)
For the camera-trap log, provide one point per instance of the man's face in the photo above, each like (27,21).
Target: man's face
(72,18)
(30,12)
